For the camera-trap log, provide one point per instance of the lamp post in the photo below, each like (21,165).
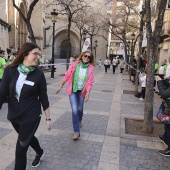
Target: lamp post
(132,55)
(106,49)
(54,15)
(95,48)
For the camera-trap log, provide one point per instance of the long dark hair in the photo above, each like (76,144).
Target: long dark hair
(24,51)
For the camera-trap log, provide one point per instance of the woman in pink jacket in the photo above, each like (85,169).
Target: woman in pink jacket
(80,77)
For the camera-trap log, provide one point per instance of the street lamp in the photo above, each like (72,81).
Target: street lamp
(95,48)
(54,15)
(106,49)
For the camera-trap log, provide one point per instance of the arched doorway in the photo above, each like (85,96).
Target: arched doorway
(64,49)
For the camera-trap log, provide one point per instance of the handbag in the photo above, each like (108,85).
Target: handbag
(166,107)
(161,116)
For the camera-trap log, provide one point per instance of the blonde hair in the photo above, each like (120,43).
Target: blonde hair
(91,59)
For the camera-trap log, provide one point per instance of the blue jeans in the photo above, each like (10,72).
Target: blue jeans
(77,103)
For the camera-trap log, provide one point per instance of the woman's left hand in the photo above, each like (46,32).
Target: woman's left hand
(49,126)
(87,97)
(158,78)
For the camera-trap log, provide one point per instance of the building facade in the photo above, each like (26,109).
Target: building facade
(14,32)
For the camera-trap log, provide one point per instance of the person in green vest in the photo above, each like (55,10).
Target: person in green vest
(156,68)
(2,64)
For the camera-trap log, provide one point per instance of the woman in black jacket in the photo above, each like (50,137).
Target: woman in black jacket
(24,86)
(164,90)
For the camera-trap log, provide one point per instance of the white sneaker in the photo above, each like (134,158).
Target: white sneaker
(141,98)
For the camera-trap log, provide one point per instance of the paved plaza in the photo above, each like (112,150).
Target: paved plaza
(103,144)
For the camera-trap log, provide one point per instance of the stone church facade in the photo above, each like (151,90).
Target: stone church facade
(13,30)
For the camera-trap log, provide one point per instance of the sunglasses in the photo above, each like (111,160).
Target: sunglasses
(89,57)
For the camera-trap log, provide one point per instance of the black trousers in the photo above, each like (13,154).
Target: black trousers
(143,92)
(106,67)
(121,70)
(26,138)
(114,67)
(166,135)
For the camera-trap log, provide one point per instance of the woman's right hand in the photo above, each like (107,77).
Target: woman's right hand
(58,90)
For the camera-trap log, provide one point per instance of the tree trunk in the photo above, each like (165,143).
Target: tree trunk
(31,33)
(80,40)
(153,39)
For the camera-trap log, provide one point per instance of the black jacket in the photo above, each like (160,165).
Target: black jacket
(164,90)
(28,108)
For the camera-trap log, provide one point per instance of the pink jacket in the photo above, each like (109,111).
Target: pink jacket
(69,76)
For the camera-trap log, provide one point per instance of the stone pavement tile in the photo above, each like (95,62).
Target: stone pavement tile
(53,99)
(104,113)
(151,145)
(53,132)
(58,111)
(6,155)
(64,99)
(110,150)
(6,125)
(96,138)
(84,136)
(68,154)
(9,140)
(65,105)
(4,132)
(103,106)
(91,112)
(140,158)
(107,166)
(104,88)
(91,123)
(128,142)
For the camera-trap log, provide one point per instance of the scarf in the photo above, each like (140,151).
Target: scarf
(76,75)
(25,70)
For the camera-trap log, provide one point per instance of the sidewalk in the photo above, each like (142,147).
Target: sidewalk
(103,144)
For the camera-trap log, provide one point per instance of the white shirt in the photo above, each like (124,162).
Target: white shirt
(106,62)
(143,81)
(82,73)
(161,70)
(100,62)
(19,84)
(167,74)
(114,62)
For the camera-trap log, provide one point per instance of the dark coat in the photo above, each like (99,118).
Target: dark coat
(28,108)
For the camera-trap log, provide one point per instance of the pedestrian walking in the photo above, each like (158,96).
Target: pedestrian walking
(114,64)
(2,64)
(162,68)
(80,77)
(156,68)
(106,64)
(25,87)
(164,91)
(100,63)
(121,65)
(142,78)
(167,73)
(72,58)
